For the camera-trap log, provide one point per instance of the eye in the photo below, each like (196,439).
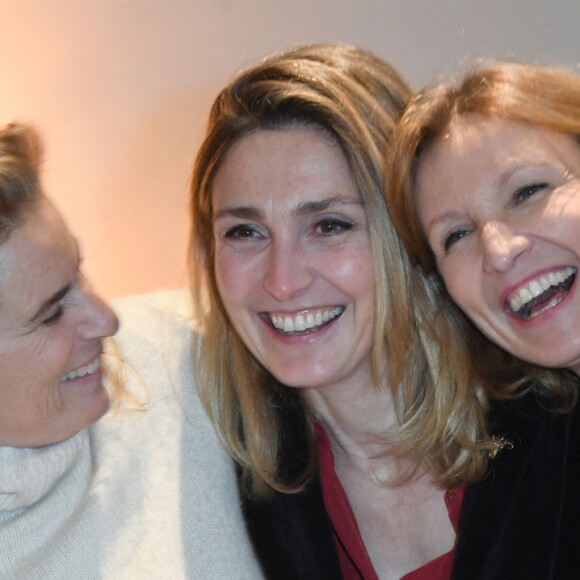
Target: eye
(242,231)
(53,316)
(527,191)
(332,226)
(454,237)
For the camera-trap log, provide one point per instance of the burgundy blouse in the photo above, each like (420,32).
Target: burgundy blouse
(354,559)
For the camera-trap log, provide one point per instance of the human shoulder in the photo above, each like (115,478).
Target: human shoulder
(513,415)
(168,308)
(154,342)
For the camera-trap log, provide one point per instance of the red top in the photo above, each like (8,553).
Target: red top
(354,559)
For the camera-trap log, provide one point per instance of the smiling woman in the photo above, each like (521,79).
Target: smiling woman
(485,191)
(486,194)
(51,324)
(84,495)
(504,231)
(360,438)
(299,252)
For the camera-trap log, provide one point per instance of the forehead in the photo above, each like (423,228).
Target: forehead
(477,149)
(475,138)
(278,163)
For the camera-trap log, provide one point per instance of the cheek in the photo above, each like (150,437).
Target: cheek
(52,353)
(351,270)
(236,276)
(561,223)
(45,355)
(30,378)
(459,281)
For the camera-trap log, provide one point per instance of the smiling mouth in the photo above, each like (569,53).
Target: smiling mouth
(81,372)
(542,294)
(305,322)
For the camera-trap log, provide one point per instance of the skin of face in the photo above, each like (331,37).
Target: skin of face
(292,246)
(500,205)
(50,325)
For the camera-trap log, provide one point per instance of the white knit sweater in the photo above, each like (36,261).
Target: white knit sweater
(143,494)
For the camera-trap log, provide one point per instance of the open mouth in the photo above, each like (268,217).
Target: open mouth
(305,322)
(89,369)
(542,294)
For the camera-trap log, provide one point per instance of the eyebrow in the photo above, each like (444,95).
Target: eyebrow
(304,208)
(311,207)
(521,166)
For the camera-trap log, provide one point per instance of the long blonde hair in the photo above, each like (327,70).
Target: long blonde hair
(356,98)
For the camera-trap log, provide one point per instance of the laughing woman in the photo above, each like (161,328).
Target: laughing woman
(315,359)
(485,190)
(486,186)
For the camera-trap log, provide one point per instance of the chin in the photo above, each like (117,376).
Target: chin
(101,406)
(91,410)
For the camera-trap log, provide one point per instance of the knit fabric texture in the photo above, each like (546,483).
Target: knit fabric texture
(147,492)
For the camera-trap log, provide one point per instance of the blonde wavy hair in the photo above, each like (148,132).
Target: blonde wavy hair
(356,98)
(544,97)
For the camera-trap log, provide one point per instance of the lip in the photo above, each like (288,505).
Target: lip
(89,369)
(304,321)
(509,290)
(551,286)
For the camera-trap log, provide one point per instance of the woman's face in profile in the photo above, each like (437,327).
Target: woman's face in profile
(51,330)
(293,257)
(500,204)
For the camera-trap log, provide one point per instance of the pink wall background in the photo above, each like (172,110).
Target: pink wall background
(120,90)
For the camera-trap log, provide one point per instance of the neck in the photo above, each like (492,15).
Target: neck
(355,419)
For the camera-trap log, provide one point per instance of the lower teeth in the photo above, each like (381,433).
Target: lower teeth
(554,302)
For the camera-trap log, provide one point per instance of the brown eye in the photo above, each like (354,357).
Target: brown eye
(241,231)
(332,227)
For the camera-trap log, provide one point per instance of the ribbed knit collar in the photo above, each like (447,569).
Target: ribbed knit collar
(28,474)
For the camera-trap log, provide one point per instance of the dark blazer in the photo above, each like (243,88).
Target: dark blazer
(520,522)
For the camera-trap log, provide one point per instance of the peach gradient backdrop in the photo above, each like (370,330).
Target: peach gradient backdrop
(120,90)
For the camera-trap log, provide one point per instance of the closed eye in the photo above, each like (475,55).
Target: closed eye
(54,316)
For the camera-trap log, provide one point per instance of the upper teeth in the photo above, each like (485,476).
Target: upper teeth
(305,320)
(83,371)
(537,287)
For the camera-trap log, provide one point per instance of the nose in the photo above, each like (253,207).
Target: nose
(501,247)
(288,270)
(99,319)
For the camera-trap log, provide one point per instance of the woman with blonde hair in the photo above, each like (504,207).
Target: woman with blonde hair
(484,178)
(317,359)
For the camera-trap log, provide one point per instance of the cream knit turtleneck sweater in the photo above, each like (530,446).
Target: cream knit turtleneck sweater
(143,494)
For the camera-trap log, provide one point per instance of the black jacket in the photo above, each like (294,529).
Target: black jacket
(523,519)
(520,522)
